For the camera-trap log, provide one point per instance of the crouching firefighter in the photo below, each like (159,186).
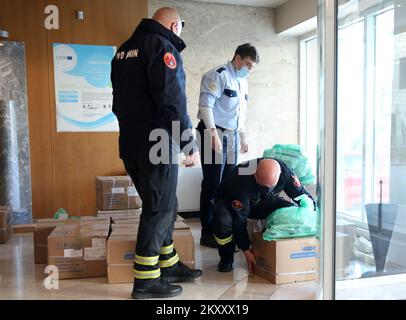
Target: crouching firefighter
(251,190)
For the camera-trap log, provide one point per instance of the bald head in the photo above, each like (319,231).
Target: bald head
(268,172)
(166,16)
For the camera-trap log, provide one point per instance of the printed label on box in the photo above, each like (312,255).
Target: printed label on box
(95,254)
(72,253)
(132,192)
(98,243)
(303,255)
(117,190)
(129,256)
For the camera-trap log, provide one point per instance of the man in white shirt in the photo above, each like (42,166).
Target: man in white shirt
(222,105)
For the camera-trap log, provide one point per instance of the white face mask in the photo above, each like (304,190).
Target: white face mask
(243,73)
(179,28)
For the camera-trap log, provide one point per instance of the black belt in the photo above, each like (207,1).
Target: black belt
(218,127)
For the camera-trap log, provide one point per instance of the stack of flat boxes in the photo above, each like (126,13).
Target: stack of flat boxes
(6,226)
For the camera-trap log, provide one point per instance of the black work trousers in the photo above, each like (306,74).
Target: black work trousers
(156,185)
(215,168)
(224,221)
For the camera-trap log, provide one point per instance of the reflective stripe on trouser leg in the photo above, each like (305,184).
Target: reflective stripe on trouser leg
(169,262)
(166,250)
(146,267)
(146,261)
(147,274)
(224,241)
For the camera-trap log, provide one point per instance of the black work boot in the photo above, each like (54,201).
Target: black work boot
(225,266)
(207,240)
(154,288)
(179,272)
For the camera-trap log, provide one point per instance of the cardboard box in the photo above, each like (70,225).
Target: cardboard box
(132,220)
(132,224)
(5,217)
(6,233)
(312,189)
(343,253)
(286,260)
(123,214)
(347,227)
(44,227)
(121,250)
(79,250)
(254,226)
(116,193)
(6,226)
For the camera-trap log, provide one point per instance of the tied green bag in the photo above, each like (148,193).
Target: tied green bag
(294,158)
(292,222)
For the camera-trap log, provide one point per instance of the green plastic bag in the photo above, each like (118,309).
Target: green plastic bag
(292,222)
(292,155)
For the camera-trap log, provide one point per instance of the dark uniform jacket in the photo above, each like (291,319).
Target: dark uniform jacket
(149,88)
(245,198)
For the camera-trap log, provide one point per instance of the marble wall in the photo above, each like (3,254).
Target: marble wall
(13,87)
(212,33)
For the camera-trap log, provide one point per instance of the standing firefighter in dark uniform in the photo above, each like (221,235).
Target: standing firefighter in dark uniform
(149,100)
(251,190)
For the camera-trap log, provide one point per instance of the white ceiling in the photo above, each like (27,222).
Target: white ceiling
(254,3)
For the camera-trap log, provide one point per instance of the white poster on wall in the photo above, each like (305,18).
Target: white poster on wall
(83,90)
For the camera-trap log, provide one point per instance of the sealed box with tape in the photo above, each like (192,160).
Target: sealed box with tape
(285,260)
(79,250)
(116,193)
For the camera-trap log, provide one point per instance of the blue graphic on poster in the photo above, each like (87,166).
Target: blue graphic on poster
(83,88)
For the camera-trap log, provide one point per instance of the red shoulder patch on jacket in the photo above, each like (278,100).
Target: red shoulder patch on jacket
(170,60)
(237,205)
(296,181)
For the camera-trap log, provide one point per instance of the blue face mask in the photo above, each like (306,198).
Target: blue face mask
(243,73)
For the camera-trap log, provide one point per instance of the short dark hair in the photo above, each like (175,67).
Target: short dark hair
(247,50)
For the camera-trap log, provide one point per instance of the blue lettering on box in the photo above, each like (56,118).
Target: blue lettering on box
(309,248)
(303,255)
(129,256)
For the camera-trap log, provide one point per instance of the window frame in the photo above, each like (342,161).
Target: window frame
(368,151)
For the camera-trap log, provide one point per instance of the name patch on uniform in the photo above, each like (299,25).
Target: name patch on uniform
(296,181)
(170,60)
(120,55)
(237,205)
(132,54)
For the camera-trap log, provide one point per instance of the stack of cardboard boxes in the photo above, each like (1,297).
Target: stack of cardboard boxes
(85,247)
(6,226)
(121,247)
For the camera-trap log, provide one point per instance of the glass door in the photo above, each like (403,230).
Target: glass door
(364,114)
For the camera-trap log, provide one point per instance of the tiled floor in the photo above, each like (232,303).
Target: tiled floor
(22,279)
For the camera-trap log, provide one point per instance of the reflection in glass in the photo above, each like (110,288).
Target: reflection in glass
(371,150)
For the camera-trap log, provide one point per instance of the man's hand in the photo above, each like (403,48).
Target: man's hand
(251,262)
(244,146)
(216,144)
(192,160)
